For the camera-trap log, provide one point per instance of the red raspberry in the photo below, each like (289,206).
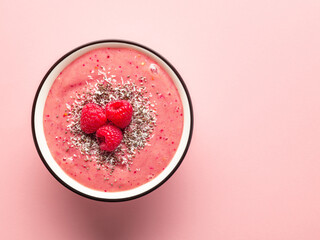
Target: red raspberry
(109,137)
(92,117)
(119,113)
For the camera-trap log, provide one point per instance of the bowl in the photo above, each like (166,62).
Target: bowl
(52,165)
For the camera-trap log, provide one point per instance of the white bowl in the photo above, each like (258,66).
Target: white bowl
(51,164)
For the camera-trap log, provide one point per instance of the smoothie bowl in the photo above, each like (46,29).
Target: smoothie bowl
(112,120)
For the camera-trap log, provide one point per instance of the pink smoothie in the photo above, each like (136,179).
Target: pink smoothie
(118,65)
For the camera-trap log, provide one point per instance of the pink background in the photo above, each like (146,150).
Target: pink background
(253,71)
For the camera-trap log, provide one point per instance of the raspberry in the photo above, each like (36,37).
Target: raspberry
(109,137)
(92,118)
(119,113)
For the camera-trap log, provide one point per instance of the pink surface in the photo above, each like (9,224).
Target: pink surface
(253,70)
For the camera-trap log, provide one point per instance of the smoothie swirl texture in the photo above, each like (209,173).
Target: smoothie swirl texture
(102,76)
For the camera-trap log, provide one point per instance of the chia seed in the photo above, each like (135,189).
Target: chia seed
(135,136)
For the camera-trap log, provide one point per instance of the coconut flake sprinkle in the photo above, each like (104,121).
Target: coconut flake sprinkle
(135,136)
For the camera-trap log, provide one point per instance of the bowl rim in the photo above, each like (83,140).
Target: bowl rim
(35,104)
